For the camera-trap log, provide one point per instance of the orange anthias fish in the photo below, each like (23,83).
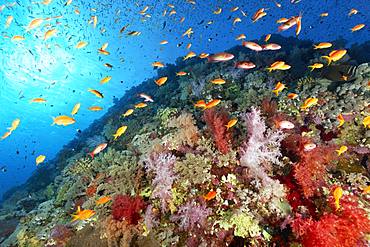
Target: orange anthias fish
(278,88)
(181,73)
(203,55)
(15,125)
(309,103)
(103,200)
(340,118)
(231,123)
(96,93)
(278,65)
(128,112)
(82,214)
(241,36)
(267,37)
(161,81)
(218,81)
(95,108)
(38,100)
(34,23)
(158,64)
(213,103)
(98,149)
(338,193)
(357,27)
(188,32)
(220,57)
(75,109)
(335,55)
(189,55)
(210,195)
(105,79)
(292,96)
(50,33)
(252,45)
(323,45)
(316,66)
(63,120)
(200,104)
(6,134)
(353,12)
(18,38)
(259,14)
(141,105)
(81,44)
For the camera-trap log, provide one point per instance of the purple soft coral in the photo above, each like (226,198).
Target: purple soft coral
(191,216)
(162,166)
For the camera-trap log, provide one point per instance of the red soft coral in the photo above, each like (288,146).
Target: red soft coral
(345,227)
(127,208)
(216,122)
(311,168)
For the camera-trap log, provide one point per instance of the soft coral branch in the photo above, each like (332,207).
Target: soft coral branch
(216,122)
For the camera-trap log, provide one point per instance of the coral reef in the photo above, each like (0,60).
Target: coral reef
(181,177)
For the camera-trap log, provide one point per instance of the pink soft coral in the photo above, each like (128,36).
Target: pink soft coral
(162,166)
(345,228)
(127,208)
(216,122)
(192,215)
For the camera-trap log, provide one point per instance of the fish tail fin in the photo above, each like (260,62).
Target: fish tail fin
(311,68)
(269,69)
(276,92)
(327,58)
(92,155)
(315,47)
(74,218)
(115,136)
(53,121)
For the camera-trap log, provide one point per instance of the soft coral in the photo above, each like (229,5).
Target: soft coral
(127,208)
(216,122)
(345,227)
(311,170)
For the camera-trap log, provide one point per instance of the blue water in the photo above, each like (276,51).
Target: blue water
(62,74)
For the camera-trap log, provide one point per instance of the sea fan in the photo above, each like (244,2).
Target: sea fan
(262,147)
(191,216)
(162,166)
(216,122)
(127,208)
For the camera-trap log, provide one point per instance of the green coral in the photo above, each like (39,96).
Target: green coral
(194,169)
(165,114)
(245,225)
